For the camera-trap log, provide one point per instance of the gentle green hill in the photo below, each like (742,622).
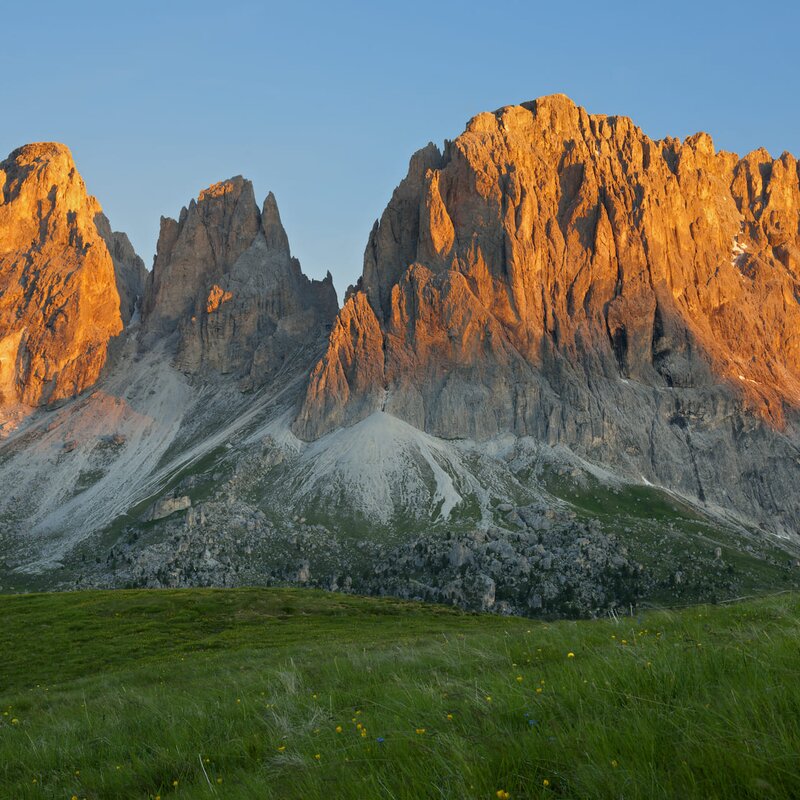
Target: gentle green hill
(300,694)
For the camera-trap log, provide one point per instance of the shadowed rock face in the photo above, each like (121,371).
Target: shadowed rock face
(59,303)
(561,275)
(129,269)
(225,282)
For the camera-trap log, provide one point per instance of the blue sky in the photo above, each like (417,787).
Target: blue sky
(323,103)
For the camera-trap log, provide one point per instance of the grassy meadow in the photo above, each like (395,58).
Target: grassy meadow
(288,693)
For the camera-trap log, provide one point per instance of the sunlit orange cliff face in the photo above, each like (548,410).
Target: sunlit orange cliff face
(59,303)
(549,260)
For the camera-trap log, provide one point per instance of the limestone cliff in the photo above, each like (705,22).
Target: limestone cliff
(561,275)
(59,303)
(225,284)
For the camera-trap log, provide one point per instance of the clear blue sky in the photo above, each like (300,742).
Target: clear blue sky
(324,102)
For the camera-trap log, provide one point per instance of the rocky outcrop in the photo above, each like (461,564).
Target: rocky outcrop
(59,303)
(560,275)
(225,284)
(129,270)
(166,506)
(568,569)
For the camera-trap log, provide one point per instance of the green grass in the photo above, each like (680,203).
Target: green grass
(121,694)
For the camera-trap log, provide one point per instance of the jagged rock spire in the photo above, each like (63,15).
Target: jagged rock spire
(225,284)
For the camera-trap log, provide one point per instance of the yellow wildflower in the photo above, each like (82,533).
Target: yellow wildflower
(519,678)
(545,782)
(570,654)
(338,729)
(614,763)
(317,756)
(420,731)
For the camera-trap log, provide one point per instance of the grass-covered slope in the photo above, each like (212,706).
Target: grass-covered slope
(302,694)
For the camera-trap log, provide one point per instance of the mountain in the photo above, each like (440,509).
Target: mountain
(225,284)
(59,301)
(567,381)
(222,327)
(560,275)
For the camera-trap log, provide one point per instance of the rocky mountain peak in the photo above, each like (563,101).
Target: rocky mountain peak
(43,172)
(206,240)
(233,187)
(559,274)
(273,229)
(59,303)
(52,157)
(225,284)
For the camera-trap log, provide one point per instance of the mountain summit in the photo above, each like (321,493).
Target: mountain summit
(225,283)
(59,302)
(560,275)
